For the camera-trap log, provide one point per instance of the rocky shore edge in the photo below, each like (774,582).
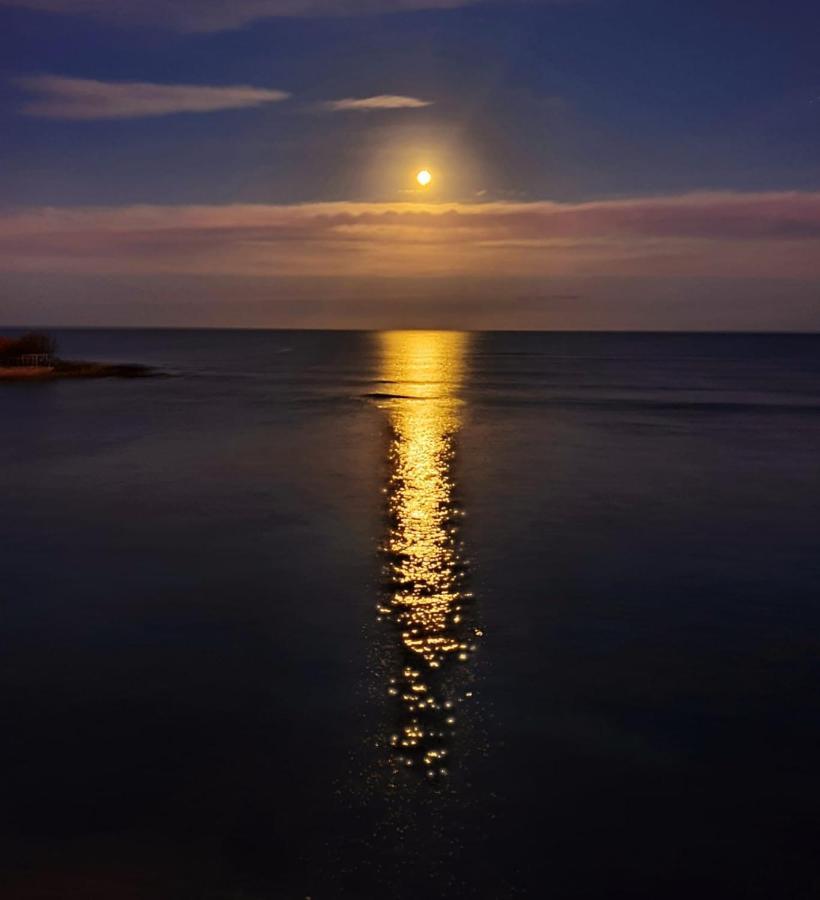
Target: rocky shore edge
(76,369)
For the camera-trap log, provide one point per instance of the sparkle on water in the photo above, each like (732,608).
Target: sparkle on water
(424,557)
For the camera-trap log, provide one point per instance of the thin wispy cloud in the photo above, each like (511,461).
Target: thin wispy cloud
(218,15)
(773,235)
(373,104)
(56,97)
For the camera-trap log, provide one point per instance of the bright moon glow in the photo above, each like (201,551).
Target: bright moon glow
(424,178)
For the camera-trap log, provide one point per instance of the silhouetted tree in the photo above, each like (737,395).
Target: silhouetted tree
(30,344)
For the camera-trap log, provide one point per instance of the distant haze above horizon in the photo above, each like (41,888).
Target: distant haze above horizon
(595,164)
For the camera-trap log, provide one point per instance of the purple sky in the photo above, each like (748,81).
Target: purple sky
(602,164)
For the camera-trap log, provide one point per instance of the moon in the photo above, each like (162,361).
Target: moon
(424,178)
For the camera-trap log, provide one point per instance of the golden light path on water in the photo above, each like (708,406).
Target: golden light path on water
(424,594)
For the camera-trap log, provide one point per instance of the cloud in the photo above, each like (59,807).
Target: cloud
(771,235)
(218,15)
(369,104)
(56,97)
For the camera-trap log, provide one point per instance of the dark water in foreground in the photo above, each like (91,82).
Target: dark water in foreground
(413,615)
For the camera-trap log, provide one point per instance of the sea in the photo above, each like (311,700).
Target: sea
(412,615)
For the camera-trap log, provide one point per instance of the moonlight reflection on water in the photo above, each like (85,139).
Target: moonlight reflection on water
(425,567)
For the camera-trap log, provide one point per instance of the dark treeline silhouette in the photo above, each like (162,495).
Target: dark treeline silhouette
(31,345)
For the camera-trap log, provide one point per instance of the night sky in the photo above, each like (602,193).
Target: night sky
(610,164)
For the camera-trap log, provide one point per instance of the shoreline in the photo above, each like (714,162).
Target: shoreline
(72,369)
(25,373)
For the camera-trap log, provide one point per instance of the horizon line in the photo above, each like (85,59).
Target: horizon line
(648,331)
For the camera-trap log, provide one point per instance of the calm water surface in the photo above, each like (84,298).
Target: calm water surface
(413,615)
